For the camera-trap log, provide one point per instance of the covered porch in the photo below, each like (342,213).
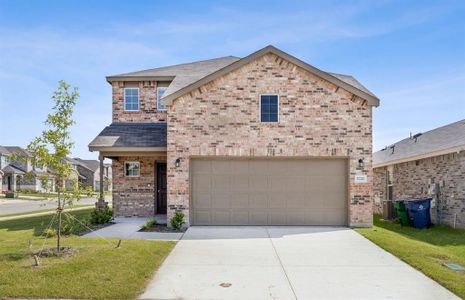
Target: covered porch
(138,154)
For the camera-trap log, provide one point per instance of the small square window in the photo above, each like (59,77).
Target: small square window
(269,108)
(160,92)
(132,169)
(131,99)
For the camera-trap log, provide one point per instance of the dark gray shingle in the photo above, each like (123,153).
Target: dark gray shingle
(439,139)
(131,135)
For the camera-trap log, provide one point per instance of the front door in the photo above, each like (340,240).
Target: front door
(9,182)
(161,188)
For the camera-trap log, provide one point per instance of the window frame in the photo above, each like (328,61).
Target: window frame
(158,108)
(138,98)
(260,109)
(125,168)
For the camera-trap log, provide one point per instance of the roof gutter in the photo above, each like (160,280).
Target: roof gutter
(110,79)
(421,156)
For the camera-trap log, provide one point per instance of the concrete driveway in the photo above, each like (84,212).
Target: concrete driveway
(286,263)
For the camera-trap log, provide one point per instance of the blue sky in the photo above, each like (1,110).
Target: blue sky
(409,53)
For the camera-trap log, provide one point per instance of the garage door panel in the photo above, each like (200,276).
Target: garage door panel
(202,200)
(203,183)
(220,200)
(295,217)
(201,166)
(326,167)
(221,217)
(202,217)
(258,183)
(278,200)
(240,167)
(258,167)
(258,217)
(258,200)
(239,200)
(240,217)
(269,192)
(239,183)
(295,183)
(220,183)
(277,217)
(220,167)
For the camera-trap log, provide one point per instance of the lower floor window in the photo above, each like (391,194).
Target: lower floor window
(132,169)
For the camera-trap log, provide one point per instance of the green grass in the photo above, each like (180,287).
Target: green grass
(424,249)
(98,271)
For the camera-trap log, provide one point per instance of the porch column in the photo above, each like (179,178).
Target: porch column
(101,204)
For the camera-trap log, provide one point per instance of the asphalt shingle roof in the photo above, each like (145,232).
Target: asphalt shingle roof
(439,139)
(4,151)
(184,74)
(18,151)
(131,135)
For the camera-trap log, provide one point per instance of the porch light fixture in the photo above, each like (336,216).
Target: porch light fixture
(177,162)
(361,163)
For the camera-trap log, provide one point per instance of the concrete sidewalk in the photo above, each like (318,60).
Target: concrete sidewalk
(128,228)
(286,263)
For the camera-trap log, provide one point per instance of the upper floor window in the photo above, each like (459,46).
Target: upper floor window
(160,92)
(131,99)
(269,108)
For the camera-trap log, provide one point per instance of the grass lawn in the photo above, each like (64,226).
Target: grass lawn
(98,271)
(424,249)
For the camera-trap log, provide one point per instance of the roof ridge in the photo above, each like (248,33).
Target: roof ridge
(176,65)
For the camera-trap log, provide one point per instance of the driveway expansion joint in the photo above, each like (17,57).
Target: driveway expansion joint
(280,262)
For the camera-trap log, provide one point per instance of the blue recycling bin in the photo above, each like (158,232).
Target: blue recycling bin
(418,211)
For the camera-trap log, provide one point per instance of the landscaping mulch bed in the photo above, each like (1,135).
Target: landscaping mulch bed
(53,251)
(161,228)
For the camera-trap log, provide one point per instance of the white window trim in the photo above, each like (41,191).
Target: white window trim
(129,162)
(161,109)
(138,98)
(260,108)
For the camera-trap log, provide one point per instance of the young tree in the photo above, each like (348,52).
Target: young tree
(52,147)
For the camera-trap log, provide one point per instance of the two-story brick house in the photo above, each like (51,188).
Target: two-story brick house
(264,139)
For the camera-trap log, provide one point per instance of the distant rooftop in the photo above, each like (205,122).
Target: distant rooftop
(442,140)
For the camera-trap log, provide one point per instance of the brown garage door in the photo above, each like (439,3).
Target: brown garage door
(269,192)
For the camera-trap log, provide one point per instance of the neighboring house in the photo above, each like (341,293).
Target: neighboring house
(432,165)
(264,139)
(20,173)
(72,182)
(89,171)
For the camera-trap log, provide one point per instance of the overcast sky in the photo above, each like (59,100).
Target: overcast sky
(409,53)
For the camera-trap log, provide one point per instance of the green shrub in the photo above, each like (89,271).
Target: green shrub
(177,221)
(51,232)
(101,216)
(69,225)
(150,223)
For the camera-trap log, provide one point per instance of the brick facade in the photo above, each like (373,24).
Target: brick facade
(147,113)
(417,179)
(317,119)
(135,196)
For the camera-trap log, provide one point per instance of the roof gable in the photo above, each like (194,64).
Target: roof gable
(345,82)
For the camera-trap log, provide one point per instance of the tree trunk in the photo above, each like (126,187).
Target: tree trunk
(59,221)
